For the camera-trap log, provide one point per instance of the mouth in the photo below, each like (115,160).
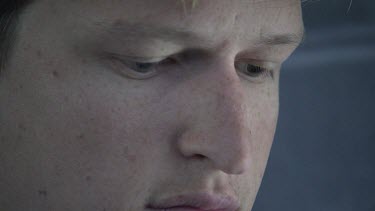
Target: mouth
(196,202)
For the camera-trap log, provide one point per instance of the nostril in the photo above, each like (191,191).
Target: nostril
(200,157)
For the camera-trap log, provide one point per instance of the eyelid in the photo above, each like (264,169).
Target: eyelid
(264,64)
(122,67)
(268,70)
(125,65)
(142,59)
(133,58)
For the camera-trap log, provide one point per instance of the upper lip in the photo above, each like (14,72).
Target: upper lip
(201,201)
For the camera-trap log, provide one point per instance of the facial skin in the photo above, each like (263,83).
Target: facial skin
(79,132)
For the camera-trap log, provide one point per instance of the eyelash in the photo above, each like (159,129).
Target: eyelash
(134,65)
(260,73)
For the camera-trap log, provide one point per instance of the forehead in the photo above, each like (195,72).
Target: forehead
(219,18)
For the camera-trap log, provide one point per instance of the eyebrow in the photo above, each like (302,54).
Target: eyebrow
(283,39)
(178,34)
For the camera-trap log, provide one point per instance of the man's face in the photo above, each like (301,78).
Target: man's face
(85,125)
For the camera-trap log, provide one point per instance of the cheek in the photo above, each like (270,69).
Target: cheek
(79,116)
(263,119)
(263,105)
(112,113)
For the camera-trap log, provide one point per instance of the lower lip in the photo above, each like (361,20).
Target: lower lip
(181,209)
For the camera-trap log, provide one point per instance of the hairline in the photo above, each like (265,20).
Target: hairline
(9,22)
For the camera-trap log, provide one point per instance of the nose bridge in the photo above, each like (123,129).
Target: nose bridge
(220,129)
(228,108)
(229,99)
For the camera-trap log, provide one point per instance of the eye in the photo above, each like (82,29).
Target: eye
(144,70)
(256,73)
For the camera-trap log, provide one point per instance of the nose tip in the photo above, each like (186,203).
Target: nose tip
(221,134)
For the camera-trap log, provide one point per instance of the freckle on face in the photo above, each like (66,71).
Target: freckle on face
(22,127)
(55,74)
(39,53)
(81,136)
(128,156)
(42,193)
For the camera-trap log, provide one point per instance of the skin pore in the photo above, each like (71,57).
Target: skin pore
(85,125)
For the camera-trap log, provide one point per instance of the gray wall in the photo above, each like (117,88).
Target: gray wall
(323,157)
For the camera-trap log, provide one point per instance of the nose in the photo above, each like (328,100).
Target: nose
(218,128)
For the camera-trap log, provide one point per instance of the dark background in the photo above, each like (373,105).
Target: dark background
(323,157)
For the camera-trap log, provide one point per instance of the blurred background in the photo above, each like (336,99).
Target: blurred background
(323,157)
